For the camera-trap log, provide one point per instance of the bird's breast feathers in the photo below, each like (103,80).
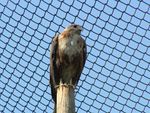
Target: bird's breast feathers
(71,46)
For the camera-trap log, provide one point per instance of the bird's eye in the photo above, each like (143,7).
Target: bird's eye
(75,26)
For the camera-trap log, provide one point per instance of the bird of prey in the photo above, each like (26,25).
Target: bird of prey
(67,58)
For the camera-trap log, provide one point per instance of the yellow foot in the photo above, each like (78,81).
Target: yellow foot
(65,85)
(71,86)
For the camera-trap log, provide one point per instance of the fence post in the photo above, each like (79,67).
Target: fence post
(65,99)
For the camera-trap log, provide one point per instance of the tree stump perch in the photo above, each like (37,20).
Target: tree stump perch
(65,99)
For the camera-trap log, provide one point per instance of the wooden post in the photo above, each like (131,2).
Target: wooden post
(65,99)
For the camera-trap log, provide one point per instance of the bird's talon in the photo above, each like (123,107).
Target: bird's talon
(65,85)
(57,86)
(71,86)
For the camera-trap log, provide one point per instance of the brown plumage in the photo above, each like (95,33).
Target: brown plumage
(67,58)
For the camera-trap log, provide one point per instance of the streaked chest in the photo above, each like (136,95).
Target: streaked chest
(70,45)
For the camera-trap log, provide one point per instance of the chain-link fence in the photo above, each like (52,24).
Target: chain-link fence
(116,76)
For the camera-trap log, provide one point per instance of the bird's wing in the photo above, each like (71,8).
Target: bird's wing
(84,53)
(82,61)
(54,68)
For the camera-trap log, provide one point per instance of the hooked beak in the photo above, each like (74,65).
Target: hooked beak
(80,28)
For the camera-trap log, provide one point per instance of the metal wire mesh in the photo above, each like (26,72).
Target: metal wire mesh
(116,77)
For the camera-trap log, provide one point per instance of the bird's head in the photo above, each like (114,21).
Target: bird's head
(74,28)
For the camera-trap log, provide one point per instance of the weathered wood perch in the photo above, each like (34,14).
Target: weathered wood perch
(65,99)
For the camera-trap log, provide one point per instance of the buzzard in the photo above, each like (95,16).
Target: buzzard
(67,58)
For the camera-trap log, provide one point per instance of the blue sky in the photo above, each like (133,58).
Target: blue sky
(116,74)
